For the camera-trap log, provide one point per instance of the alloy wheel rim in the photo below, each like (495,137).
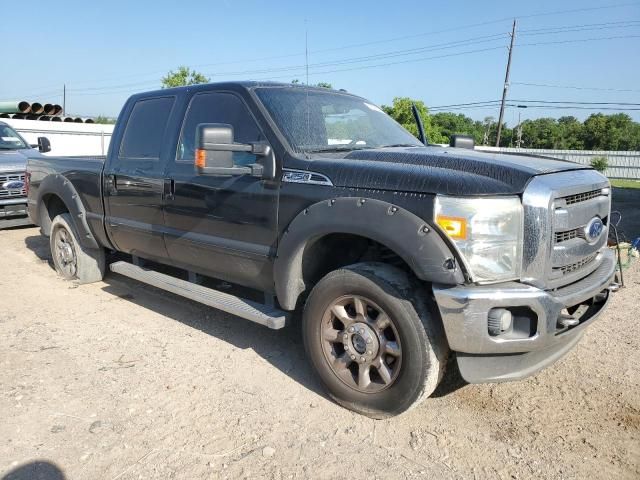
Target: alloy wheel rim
(65,252)
(360,343)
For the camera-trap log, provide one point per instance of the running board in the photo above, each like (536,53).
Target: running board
(264,315)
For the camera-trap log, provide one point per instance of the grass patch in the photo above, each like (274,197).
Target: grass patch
(623,183)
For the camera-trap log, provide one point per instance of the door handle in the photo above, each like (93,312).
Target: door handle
(112,187)
(169,189)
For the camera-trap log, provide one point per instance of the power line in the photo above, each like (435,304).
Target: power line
(582,27)
(388,40)
(296,70)
(575,103)
(344,61)
(575,87)
(577,107)
(577,40)
(391,54)
(536,101)
(446,56)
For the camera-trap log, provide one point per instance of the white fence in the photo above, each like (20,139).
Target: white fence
(621,164)
(66,138)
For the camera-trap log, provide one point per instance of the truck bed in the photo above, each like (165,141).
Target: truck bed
(84,173)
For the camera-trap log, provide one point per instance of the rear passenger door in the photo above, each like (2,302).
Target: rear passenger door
(133,177)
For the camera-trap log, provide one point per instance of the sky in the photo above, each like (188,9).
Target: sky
(443,53)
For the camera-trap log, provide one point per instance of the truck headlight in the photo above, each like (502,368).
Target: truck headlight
(487,233)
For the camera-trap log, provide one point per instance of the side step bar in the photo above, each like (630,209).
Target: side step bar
(264,315)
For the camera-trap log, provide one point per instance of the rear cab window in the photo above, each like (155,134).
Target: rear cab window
(144,134)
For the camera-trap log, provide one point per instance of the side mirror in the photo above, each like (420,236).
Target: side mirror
(215,148)
(462,141)
(44,145)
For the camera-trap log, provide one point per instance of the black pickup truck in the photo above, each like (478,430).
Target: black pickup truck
(306,199)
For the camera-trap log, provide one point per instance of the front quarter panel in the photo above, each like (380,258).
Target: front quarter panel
(408,235)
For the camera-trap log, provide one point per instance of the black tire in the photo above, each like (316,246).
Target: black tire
(71,260)
(421,350)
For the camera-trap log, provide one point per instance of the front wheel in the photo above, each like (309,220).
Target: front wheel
(371,339)
(71,260)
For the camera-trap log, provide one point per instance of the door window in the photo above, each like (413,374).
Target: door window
(145,129)
(218,107)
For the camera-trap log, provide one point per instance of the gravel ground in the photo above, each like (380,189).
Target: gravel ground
(117,380)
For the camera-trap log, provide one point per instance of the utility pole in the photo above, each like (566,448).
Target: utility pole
(64,98)
(506,83)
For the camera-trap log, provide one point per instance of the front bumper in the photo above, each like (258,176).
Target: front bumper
(13,213)
(485,358)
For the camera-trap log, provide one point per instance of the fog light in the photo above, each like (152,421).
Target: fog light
(500,321)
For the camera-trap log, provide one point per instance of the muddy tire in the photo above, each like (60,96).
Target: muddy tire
(371,338)
(71,260)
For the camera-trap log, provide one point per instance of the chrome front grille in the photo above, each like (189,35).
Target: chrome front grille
(581,197)
(557,208)
(568,235)
(11,177)
(576,266)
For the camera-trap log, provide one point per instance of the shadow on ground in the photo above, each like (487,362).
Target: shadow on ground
(627,202)
(36,470)
(283,348)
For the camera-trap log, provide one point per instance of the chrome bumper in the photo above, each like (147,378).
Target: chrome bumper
(484,358)
(13,212)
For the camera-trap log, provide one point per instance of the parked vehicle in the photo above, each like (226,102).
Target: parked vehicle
(398,254)
(13,161)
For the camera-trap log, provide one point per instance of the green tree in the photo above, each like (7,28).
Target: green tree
(541,133)
(570,133)
(296,81)
(182,77)
(595,132)
(402,113)
(448,124)
(104,120)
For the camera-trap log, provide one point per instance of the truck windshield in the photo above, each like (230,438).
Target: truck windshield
(317,121)
(10,140)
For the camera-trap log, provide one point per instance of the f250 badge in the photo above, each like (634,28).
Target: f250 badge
(13,185)
(593,230)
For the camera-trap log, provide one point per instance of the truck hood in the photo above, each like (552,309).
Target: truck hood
(450,171)
(16,160)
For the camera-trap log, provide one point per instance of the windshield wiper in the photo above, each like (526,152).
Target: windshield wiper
(399,145)
(334,149)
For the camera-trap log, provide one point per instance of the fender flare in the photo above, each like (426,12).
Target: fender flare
(61,187)
(409,236)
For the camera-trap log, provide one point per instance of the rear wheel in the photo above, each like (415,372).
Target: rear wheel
(71,260)
(371,339)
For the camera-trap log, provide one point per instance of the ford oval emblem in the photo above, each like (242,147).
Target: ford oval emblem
(594,229)
(13,185)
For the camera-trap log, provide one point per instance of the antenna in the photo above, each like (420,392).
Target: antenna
(306,49)
(306,60)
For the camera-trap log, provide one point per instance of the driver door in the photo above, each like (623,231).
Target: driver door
(217,225)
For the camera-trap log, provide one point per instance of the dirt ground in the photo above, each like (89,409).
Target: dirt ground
(117,380)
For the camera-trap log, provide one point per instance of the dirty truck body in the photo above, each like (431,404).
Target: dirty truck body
(397,254)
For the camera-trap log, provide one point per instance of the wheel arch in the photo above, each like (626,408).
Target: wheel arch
(57,195)
(403,233)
